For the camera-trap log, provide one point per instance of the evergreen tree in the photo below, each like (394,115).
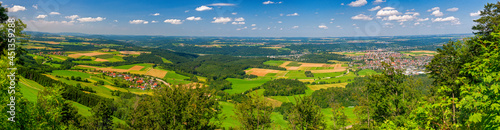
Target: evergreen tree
(306,115)
(254,113)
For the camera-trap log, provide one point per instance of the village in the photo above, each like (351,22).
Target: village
(411,65)
(134,81)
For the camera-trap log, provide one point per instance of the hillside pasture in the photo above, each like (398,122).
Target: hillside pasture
(77,55)
(325,86)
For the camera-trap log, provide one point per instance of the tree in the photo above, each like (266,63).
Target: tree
(254,113)
(490,17)
(101,117)
(306,115)
(339,118)
(179,107)
(480,103)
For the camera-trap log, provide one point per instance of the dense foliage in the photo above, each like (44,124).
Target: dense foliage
(283,87)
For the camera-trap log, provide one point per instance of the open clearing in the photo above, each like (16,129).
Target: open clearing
(86,54)
(260,72)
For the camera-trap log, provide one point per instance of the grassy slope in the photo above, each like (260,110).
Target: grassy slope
(367,72)
(241,85)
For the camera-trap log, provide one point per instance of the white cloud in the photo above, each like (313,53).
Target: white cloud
(358,3)
(254,25)
(55,13)
(203,8)
(341,3)
(435,8)
(454,9)
(280,22)
(271,2)
(221,4)
(234,13)
(173,21)
(451,19)
(322,27)
(72,17)
(475,13)
(254,28)
(41,16)
(374,8)
(437,13)
(223,20)
(295,27)
(361,17)
(16,8)
(421,20)
(138,21)
(402,18)
(35,6)
(154,21)
(388,24)
(156,14)
(192,18)
(417,23)
(387,11)
(115,21)
(235,23)
(294,14)
(90,19)
(378,1)
(239,19)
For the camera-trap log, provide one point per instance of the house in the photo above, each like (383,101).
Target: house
(140,81)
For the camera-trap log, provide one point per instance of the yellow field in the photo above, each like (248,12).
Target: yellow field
(156,73)
(260,72)
(325,86)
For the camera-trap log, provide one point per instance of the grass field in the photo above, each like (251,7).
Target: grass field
(274,62)
(30,89)
(323,75)
(242,85)
(367,72)
(294,64)
(291,98)
(166,61)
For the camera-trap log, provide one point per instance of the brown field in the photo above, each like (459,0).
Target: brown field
(100,60)
(319,65)
(86,54)
(260,72)
(292,68)
(285,63)
(136,67)
(133,52)
(156,73)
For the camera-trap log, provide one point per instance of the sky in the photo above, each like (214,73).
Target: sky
(249,18)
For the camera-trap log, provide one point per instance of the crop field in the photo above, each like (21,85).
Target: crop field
(133,52)
(145,69)
(260,72)
(294,64)
(325,86)
(420,53)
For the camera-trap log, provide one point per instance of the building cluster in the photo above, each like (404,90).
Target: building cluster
(139,82)
(410,65)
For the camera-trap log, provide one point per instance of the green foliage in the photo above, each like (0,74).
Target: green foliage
(309,74)
(339,117)
(480,103)
(101,117)
(182,107)
(322,58)
(490,17)
(306,115)
(284,87)
(254,113)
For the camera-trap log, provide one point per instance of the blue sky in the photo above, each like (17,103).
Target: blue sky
(251,18)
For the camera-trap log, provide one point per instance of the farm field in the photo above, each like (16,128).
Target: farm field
(419,53)
(274,62)
(367,72)
(325,86)
(242,85)
(145,69)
